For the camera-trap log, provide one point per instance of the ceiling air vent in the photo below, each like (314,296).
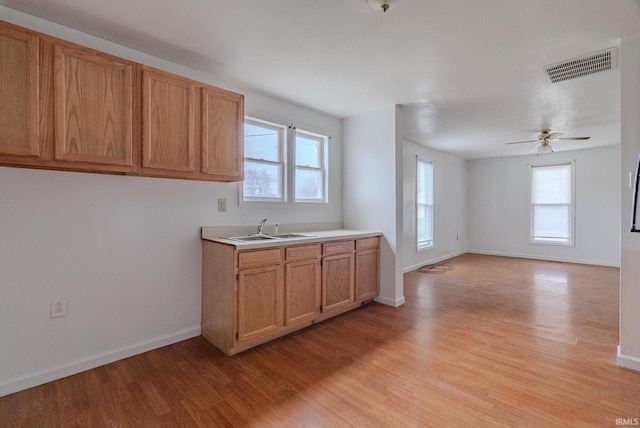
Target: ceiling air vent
(588,64)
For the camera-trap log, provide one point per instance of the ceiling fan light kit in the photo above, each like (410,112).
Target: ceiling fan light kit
(543,140)
(382,5)
(544,148)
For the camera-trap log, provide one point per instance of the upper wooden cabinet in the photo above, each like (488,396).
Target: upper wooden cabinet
(168,123)
(170,115)
(173,108)
(93,108)
(68,107)
(222,134)
(19,88)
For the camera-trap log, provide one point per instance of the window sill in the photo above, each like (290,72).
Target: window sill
(552,243)
(424,247)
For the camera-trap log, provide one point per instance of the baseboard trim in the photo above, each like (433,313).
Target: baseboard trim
(390,302)
(551,259)
(628,361)
(432,261)
(54,373)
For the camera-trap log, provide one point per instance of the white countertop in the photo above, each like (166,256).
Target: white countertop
(213,234)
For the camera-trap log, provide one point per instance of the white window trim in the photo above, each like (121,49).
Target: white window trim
(572,211)
(324,158)
(419,246)
(288,171)
(283,155)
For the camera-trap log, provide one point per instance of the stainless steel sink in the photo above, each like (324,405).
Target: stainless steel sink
(292,235)
(262,237)
(251,238)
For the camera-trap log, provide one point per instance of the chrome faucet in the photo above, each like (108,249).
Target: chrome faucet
(261,225)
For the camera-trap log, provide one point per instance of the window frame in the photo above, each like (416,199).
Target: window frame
(539,240)
(288,167)
(323,142)
(424,245)
(281,163)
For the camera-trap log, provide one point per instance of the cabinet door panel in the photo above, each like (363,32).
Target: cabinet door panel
(302,287)
(19,89)
(167,122)
(259,302)
(337,281)
(93,114)
(222,133)
(367,274)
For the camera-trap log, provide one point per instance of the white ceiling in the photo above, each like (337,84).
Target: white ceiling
(469,72)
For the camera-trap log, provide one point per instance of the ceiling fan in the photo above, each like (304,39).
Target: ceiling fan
(543,140)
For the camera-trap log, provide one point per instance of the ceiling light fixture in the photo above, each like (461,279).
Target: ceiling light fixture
(545,147)
(382,5)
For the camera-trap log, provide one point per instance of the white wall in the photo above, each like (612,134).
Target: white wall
(125,251)
(449,224)
(373,191)
(629,349)
(498,207)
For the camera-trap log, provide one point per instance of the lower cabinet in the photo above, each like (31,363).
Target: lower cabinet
(337,275)
(259,302)
(252,296)
(367,276)
(301,284)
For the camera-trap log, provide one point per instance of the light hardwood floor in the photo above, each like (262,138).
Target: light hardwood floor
(495,342)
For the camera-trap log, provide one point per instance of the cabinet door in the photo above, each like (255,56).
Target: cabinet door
(19,89)
(222,134)
(337,281)
(302,291)
(168,124)
(260,306)
(367,274)
(93,112)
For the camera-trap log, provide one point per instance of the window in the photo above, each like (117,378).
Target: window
(264,166)
(267,176)
(424,204)
(552,196)
(310,173)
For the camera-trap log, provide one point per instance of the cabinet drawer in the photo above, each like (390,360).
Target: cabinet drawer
(368,243)
(259,258)
(303,252)
(337,247)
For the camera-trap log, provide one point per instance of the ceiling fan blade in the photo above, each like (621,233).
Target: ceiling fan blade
(574,138)
(544,137)
(528,141)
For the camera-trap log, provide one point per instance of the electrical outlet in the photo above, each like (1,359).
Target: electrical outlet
(222,205)
(58,307)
